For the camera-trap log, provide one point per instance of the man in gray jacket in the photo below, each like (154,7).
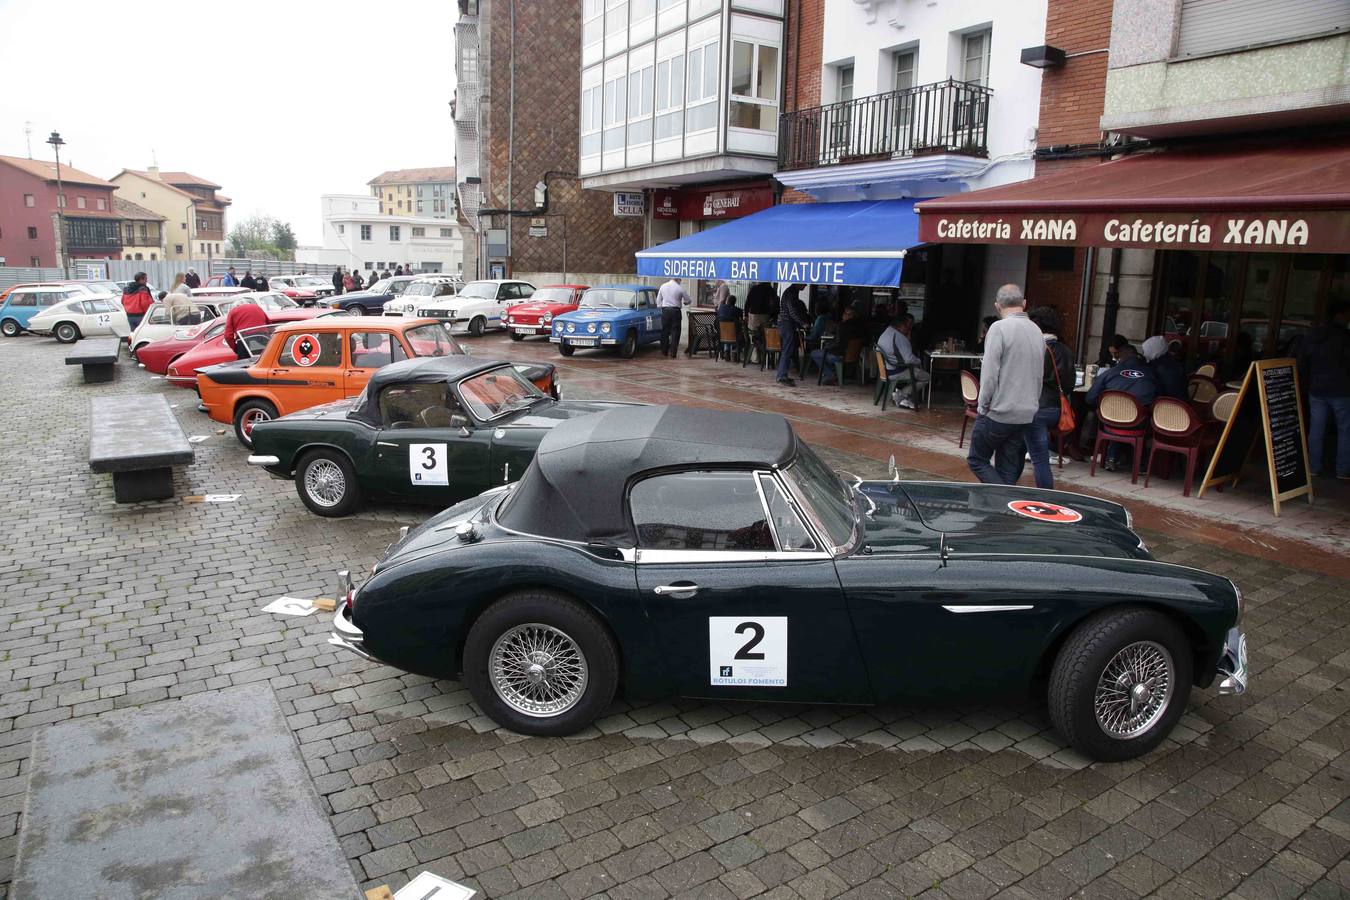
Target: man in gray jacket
(1010,390)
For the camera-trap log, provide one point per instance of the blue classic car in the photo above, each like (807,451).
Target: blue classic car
(611,315)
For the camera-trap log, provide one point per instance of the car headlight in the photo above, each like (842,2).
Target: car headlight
(605,328)
(571,327)
(591,328)
(548,317)
(510,320)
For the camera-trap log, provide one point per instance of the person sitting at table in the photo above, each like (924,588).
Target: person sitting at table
(1131,375)
(901,360)
(984,330)
(1166,368)
(822,324)
(727,310)
(1117,345)
(851,329)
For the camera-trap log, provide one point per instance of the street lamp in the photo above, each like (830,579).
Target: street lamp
(57,144)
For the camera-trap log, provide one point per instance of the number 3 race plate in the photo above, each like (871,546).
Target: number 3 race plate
(747,651)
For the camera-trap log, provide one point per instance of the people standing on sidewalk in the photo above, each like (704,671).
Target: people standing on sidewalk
(1011,377)
(1056,382)
(898,352)
(229,280)
(357,283)
(193,280)
(248,281)
(1325,358)
(136,299)
(791,319)
(337,281)
(671,298)
(347,282)
(180,285)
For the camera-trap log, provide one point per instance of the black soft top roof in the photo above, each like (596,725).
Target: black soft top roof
(422,370)
(574,488)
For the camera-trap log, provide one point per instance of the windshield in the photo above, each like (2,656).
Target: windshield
(433,340)
(551,295)
(424,289)
(276,301)
(104,287)
(825,493)
(497,393)
(481,290)
(309,281)
(597,298)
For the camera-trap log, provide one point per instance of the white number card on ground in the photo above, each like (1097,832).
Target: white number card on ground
(428,886)
(290,606)
(427,464)
(748,651)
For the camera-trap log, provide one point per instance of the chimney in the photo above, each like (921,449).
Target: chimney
(153,172)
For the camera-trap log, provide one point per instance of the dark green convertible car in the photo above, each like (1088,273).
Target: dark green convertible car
(426,430)
(679,551)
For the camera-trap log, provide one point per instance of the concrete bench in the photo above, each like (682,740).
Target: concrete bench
(98,356)
(139,441)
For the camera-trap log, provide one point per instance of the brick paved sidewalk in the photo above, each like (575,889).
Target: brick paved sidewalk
(109,606)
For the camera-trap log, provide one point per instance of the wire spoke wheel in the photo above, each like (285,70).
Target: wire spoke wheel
(538,670)
(1134,690)
(325,483)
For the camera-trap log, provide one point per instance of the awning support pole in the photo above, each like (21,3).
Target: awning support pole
(1112,307)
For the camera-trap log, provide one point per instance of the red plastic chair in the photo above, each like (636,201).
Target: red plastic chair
(1120,420)
(1177,429)
(970,393)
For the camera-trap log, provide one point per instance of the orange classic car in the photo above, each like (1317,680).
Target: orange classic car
(318,361)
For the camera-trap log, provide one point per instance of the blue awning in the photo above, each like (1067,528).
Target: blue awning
(862,242)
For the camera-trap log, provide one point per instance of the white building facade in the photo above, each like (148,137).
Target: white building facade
(356,235)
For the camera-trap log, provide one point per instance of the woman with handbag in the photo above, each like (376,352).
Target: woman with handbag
(1055,414)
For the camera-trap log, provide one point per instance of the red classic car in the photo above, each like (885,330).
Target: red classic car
(535,315)
(181,358)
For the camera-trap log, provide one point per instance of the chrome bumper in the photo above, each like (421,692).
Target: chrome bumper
(1233,663)
(257,460)
(348,636)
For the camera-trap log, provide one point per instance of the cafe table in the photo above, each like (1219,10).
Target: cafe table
(944,354)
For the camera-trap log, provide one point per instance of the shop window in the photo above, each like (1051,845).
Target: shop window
(1054,259)
(1299,311)
(754,86)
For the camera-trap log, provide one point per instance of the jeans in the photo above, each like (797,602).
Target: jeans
(134,319)
(789,342)
(670,330)
(1038,445)
(1003,443)
(1338,409)
(825,361)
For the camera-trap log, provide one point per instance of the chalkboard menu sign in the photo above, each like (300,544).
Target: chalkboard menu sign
(1267,408)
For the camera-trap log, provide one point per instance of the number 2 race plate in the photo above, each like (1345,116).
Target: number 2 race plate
(748,651)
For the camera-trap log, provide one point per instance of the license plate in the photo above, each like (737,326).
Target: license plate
(581,342)
(520,330)
(554,340)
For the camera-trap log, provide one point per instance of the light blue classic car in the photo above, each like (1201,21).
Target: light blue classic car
(611,315)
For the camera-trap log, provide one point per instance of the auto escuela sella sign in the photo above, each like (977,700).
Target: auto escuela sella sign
(1309,231)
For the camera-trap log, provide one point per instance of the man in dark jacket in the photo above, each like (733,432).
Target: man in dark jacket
(192,279)
(1166,368)
(1131,375)
(1324,357)
(260,283)
(792,317)
(248,281)
(337,281)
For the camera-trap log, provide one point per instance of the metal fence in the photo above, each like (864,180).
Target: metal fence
(159,272)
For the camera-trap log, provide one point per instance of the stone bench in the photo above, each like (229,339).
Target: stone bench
(98,356)
(139,441)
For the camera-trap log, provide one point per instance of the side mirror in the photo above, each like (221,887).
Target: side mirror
(460,421)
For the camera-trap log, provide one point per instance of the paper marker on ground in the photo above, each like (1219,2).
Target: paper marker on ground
(289,606)
(220,498)
(433,887)
(198,438)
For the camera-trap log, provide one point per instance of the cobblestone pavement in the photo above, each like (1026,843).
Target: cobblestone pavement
(109,606)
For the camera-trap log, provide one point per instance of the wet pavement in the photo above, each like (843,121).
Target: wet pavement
(112,606)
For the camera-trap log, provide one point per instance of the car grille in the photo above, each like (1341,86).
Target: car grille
(435,314)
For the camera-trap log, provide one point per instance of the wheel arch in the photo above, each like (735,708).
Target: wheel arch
(1201,653)
(305,449)
(241,399)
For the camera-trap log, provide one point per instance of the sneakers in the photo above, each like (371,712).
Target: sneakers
(1111,465)
(787,381)
(906,404)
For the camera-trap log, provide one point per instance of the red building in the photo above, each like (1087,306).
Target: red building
(29,208)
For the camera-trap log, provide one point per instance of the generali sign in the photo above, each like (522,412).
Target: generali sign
(1313,231)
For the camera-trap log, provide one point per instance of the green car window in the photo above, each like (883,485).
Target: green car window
(415,406)
(826,494)
(700,511)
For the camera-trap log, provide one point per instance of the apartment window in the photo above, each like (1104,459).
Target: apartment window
(420,205)
(844,84)
(702,87)
(642,9)
(61,200)
(591,100)
(102,204)
(419,190)
(447,232)
(342,229)
(178,248)
(29,200)
(615,112)
(217,249)
(139,256)
(394,233)
(903,80)
(400,204)
(182,225)
(391,196)
(468,64)
(669,96)
(419,232)
(640,105)
(79,203)
(154,256)
(365,232)
(754,86)
(975,57)
(35,261)
(616,24)
(32,233)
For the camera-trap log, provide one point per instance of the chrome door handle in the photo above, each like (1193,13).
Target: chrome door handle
(676,590)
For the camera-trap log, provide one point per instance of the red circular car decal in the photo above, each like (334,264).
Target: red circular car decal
(1045,512)
(305,350)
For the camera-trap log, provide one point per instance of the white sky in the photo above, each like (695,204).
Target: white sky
(277,102)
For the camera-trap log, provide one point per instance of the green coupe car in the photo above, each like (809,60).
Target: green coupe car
(711,554)
(428,430)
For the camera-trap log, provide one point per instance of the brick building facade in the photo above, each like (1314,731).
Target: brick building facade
(801,84)
(531,136)
(29,215)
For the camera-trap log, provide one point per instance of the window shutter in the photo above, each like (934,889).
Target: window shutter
(1212,26)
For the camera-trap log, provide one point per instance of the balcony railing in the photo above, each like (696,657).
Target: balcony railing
(946,117)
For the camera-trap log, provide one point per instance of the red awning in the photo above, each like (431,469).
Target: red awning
(1292,197)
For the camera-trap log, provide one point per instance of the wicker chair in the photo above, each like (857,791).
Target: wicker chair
(1176,429)
(1208,370)
(1120,420)
(1202,390)
(970,393)
(1222,407)
(729,340)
